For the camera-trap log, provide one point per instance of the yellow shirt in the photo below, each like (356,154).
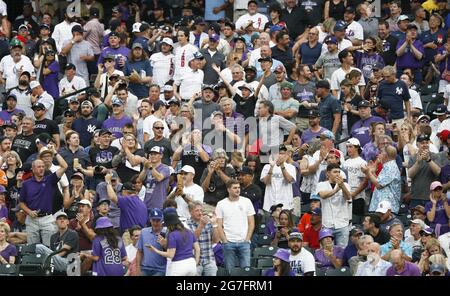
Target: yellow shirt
(430,6)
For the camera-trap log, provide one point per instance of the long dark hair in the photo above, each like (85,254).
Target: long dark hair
(284,268)
(111,236)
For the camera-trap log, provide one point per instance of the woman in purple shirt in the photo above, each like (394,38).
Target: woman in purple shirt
(8,252)
(437,209)
(180,242)
(49,74)
(281,264)
(108,250)
(328,256)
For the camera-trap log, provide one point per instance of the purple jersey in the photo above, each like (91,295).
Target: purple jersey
(50,81)
(156,192)
(132,212)
(309,135)
(110,260)
(115,125)
(38,195)
(408,60)
(410,269)
(120,53)
(5,115)
(183,243)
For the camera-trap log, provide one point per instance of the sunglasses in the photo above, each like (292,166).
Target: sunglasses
(424,121)
(158,127)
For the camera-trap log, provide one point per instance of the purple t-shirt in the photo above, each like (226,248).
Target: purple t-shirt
(3,212)
(444,64)
(410,269)
(39,195)
(408,60)
(271,272)
(309,135)
(440,216)
(324,261)
(50,81)
(5,115)
(183,243)
(115,125)
(365,62)
(361,129)
(120,52)
(110,260)
(156,192)
(9,251)
(132,212)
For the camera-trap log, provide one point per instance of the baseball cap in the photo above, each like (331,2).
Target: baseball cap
(420,222)
(104,200)
(155,214)
(69,112)
(314,196)
(199,21)
(128,186)
(114,34)
(440,110)
(104,132)
(78,29)
(286,84)
(353,142)
(356,230)
(70,66)
(77,175)
(340,26)
(137,45)
(217,113)
(266,59)
(246,86)
(295,235)
(282,254)
(279,68)
(363,104)
(87,103)
(15,43)
(143,27)
(167,87)
(313,113)
(444,135)
(34,84)
(335,152)
(158,104)
(403,18)
(422,137)
(208,86)
(103,222)
(136,27)
(377,66)
(60,214)
(245,170)
(418,208)
(383,207)
(44,26)
(411,26)
(350,9)
(38,106)
(275,28)
(327,135)
(117,102)
(94,11)
(188,169)
(274,207)
(250,68)
(157,149)
(323,84)
(23,26)
(435,185)
(427,230)
(437,268)
(73,99)
(167,41)
(198,55)
(173,101)
(317,212)
(214,37)
(11,95)
(85,202)
(10,125)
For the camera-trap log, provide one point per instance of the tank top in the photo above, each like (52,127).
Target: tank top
(336,11)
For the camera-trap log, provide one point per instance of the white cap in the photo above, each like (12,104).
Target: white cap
(59,214)
(383,207)
(353,142)
(420,222)
(34,84)
(85,202)
(136,27)
(167,41)
(167,87)
(188,169)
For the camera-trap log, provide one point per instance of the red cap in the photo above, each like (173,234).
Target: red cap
(444,135)
(336,153)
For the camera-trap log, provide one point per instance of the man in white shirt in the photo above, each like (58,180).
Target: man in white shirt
(63,31)
(374,266)
(12,65)
(301,260)
(183,50)
(70,82)
(236,222)
(339,33)
(135,233)
(334,196)
(278,177)
(186,191)
(41,98)
(163,63)
(346,59)
(354,30)
(257,19)
(441,113)
(159,110)
(190,81)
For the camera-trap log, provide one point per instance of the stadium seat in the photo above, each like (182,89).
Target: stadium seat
(247,271)
(343,271)
(261,229)
(429,89)
(319,271)
(263,240)
(405,219)
(430,107)
(264,251)
(265,262)
(8,270)
(222,271)
(33,265)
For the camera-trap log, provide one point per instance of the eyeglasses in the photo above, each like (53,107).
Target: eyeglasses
(108,61)
(158,127)
(424,121)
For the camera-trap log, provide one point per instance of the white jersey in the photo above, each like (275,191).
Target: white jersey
(355,175)
(104,82)
(62,33)
(163,67)
(345,43)
(279,190)
(148,126)
(189,82)
(339,75)
(11,70)
(259,21)
(182,53)
(67,87)
(354,31)
(47,100)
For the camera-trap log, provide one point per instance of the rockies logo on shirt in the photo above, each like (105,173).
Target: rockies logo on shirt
(399,91)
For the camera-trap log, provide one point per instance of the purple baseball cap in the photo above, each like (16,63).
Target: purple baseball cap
(282,254)
(103,222)
(214,37)
(326,232)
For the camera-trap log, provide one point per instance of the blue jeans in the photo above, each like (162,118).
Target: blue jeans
(151,272)
(341,236)
(236,254)
(207,269)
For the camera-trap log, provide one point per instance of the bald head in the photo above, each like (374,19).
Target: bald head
(38,168)
(265,38)
(391,152)
(266,51)
(396,256)
(374,248)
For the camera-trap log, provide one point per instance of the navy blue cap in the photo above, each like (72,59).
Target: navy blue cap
(155,214)
(316,211)
(245,170)
(340,26)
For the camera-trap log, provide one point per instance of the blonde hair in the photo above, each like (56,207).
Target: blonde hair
(16,156)
(6,228)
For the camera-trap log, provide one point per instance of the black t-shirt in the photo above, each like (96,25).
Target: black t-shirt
(24,146)
(190,157)
(382,237)
(102,157)
(389,47)
(70,238)
(165,143)
(217,189)
(245,106)
(252,192)
(46,126)
(312,11)
(124,169)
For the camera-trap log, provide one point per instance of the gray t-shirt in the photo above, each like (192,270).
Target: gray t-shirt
(79,49)
(330,63)
(420,187)
(269,81)
(304,92)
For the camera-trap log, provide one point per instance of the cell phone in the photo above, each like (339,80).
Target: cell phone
(148,245)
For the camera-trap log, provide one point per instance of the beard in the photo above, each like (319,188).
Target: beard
(23,82)
(371,258)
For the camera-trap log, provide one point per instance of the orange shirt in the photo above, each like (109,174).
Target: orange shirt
(304,223)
